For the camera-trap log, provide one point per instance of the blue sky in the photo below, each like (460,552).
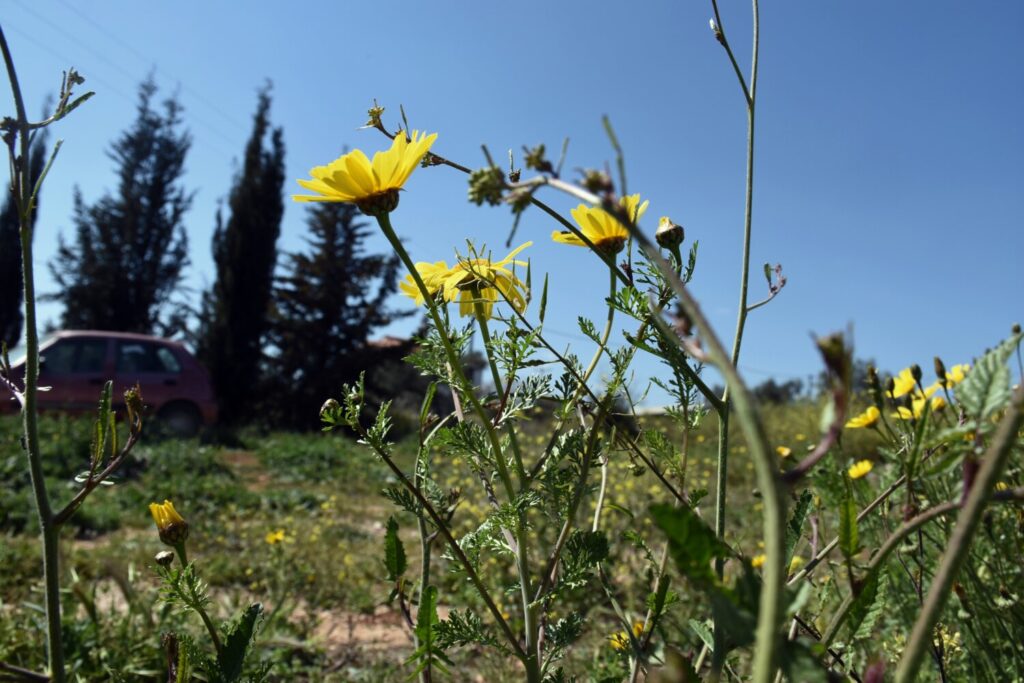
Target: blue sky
(889,181)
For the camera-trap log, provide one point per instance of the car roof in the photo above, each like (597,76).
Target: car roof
(68,334)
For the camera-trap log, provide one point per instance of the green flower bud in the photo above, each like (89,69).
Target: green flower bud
(669,235)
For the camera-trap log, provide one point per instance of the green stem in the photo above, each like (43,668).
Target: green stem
(993,463)
(531,613)
(499,386)
(530,657)
(721,483)
(22,185)
(425,542)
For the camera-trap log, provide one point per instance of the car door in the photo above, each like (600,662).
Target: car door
(153,366)
(74,369)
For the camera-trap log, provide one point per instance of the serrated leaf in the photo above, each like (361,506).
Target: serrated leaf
(692,543)
(703,632)
(871,613)
(848,541)
(986,388)
(794,528)
(231,659)
(394,551)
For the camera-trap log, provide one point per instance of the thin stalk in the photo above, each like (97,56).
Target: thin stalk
(603,344)
(425,542)
(531,614)
(721,480)
(993,463)
(530,657)
(22,185)
(742,310)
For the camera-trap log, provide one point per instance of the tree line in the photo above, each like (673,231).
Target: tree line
(277,332)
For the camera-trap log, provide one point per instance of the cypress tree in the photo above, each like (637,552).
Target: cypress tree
(130,247)
(328,303)
(235,311)
(11,293)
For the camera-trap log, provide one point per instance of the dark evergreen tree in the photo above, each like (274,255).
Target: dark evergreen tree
(130,247)
(11,293)
(328,303)
(236,310)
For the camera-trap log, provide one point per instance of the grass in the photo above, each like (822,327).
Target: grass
(323,585)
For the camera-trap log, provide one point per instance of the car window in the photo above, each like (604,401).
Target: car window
(75,356)
(138,357)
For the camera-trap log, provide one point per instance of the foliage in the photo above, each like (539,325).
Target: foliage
(327,304)
(130,247)
(235,312)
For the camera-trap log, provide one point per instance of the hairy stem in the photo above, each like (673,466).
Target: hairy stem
(22,186)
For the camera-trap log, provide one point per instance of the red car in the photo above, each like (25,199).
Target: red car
(77,363)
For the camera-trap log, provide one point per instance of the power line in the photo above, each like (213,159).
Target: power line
(123,43)
(117,67)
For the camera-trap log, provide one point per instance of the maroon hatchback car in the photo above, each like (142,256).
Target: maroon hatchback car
(75,364)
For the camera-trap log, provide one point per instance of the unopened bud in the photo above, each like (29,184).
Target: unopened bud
(165,558)
(329,409)
(940,371)
(669,235)
(915,372)
(172,527)
(1016,328)
(890,386)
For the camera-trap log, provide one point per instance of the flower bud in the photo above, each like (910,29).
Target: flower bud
(1015,329)
(172,527)
(329,409)
(940,371)
(164,558)
(915,372)
(669,235)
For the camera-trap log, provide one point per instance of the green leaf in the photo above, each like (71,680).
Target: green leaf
(692,543)
(848,541)
(232,657)
(796,523)
(427,653)
(986,388)
(394,552)
(868,611)
(703,632)
(863,602)
(466,628)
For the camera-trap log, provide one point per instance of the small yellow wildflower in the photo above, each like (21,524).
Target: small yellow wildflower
(783,451)
(600,227)
(372,185)
(619,641)
(1002,486)
(471,280)
(904,383)
(917,409)
(758,560)
(865,419)
(957,373)
(859,469)
(275,537)
(795,563)
(173,529)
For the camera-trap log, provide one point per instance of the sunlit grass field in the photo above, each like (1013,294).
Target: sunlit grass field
(296,521)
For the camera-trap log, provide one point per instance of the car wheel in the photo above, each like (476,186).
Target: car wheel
(180,419)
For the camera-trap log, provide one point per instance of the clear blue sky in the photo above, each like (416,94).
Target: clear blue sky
(889,181)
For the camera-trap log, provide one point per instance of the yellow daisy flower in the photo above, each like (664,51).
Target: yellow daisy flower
(432,275)
(865,419)
(859,469)
(372,185)
(171,526)
(758,560)
(783,451)
(275,537)
(917,407)
(957,373)
(904,383)
(471,280)
(600,227)
(619,641)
